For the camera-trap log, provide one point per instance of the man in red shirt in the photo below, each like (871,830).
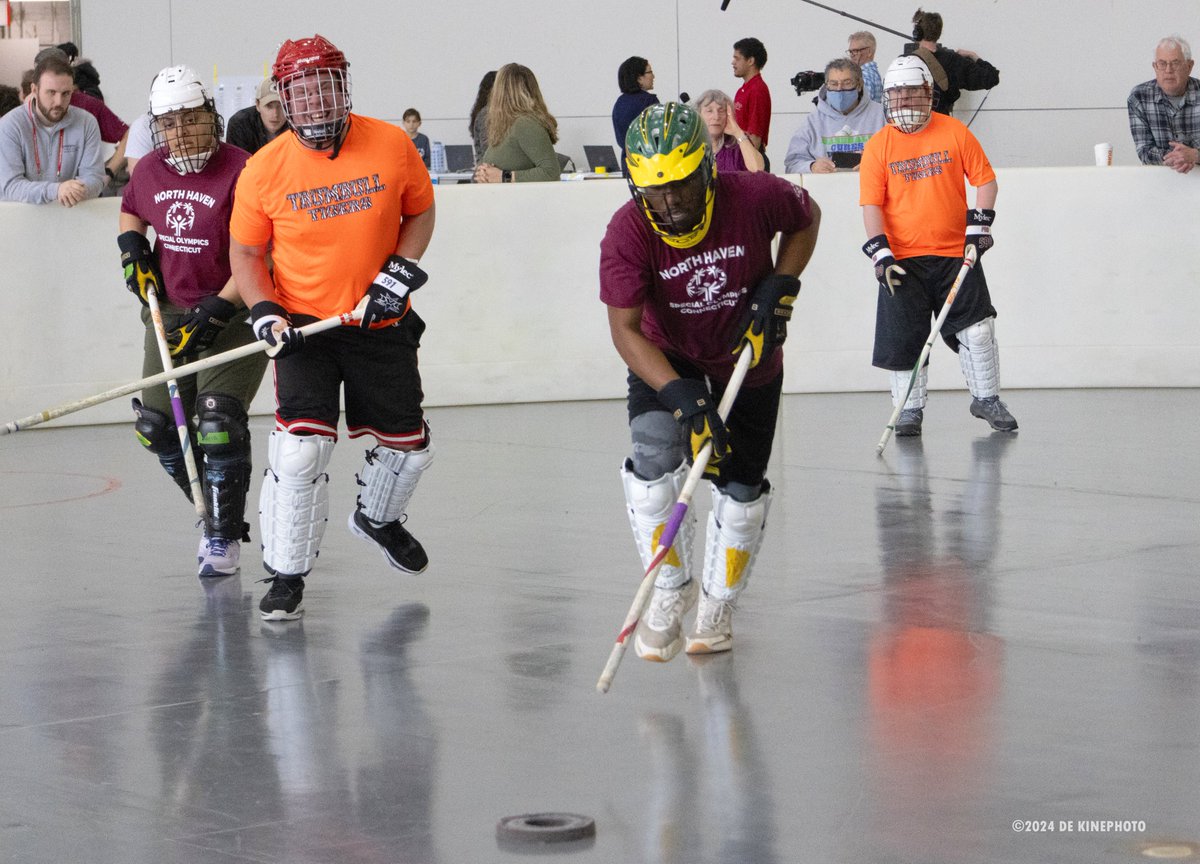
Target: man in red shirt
(752,103)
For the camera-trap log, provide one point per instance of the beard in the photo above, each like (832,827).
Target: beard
(52,114)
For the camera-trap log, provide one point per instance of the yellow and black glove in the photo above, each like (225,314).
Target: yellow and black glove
(141,267)
(201,325)
(695,409)
(763,327)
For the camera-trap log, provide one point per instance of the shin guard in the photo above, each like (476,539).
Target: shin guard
(979,357)
(735,532)
(294,504)
(649,504)
(224,438)
(920,389)
(388,480)
(158,434)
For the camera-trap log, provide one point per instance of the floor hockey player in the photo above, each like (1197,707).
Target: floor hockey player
(915,211)
(347,205)
(184,190)
(687,275)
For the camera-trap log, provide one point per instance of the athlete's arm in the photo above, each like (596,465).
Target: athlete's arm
(796,248)
(985,196)
(645,359)
(415,234)
(249,267)
(129,222)
(873,219)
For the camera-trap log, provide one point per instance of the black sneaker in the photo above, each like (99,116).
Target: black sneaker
(995,413)
(908,424)
(399,547)
(284,601)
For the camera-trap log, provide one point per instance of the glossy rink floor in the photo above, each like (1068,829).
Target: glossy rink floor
(974,631)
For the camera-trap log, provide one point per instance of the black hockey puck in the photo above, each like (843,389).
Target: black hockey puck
(545,828)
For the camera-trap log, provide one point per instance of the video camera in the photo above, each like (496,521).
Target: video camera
(807,82)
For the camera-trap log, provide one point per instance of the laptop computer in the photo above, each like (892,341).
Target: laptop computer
(460,158)
(601,156)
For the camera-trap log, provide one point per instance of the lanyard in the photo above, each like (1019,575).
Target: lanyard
(37,159)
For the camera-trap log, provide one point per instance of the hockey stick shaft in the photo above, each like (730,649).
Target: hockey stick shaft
(642,598)
(968,262)
(180,371)
(181,423)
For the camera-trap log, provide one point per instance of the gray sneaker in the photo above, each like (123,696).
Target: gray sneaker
(660,633)
(994,412)
(908,424)
(218,556)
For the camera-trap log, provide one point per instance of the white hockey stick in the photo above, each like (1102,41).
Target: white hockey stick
(968,263)
(181,423)
(186,369)
(642,598)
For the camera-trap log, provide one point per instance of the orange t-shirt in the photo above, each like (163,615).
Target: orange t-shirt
(918,181)
(333,222)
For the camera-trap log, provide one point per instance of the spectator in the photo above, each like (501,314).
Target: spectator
(861,50)
(680,328)
(27,83)
(912,188)
(521,131)
(479,111)
(635,79)
(49,150)
(752,103)
(355,239)
(113,130)
(845,118)
(412,122)
(952,71)
(188,270)
(1164,114)
(253,126)
(732,148)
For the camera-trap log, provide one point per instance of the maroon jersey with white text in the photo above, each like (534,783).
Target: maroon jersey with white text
(693,299)
(190,214)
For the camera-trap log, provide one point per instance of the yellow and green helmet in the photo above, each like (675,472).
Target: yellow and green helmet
(671,172)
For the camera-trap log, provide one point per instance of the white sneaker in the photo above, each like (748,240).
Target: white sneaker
(713,632)
(218,556)
(660,634)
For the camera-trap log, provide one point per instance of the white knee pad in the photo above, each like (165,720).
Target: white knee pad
(920,388)
(735,532)
(388,480)
(650,504)
(979,357)
(293,507)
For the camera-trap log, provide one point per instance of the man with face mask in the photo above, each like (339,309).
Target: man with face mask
(50,151)
(346,207)
(687,274)
(840,127)
(914,202)
(183,189)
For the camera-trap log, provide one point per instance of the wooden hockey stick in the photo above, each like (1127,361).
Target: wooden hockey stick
(968,263)
(642,598)
(181,423)
(186,369)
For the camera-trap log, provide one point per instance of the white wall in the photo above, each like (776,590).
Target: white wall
(1092,282)
(1066,68)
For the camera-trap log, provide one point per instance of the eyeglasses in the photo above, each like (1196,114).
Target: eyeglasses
(854,51)
(1164,65)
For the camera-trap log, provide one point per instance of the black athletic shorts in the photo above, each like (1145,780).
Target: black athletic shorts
(751,423)
(902,322)
(378,370)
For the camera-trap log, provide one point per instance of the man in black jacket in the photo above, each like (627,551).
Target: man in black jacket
(953,70)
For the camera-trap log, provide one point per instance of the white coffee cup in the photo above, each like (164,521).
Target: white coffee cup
(1103,154)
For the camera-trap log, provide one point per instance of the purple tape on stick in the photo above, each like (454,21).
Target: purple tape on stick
(668,534)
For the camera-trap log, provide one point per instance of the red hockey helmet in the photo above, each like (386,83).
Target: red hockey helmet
(313,81)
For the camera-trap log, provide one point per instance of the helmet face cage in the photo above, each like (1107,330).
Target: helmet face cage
(188,137)
(316,102)
(671,172)
(908,94)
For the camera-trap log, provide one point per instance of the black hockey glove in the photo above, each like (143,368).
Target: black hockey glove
(264,317)
(979,230)
(388,297)
(201,325)
(764,324)
(695,409)
(887,272)
(141,267)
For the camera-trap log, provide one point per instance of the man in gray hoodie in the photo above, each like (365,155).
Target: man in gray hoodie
(50,151)
(834,135)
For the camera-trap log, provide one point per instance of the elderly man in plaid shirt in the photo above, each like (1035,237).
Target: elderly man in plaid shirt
(861,50)
(1164,114)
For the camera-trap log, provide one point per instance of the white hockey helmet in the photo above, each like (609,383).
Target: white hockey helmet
(184,122)
(904,109)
